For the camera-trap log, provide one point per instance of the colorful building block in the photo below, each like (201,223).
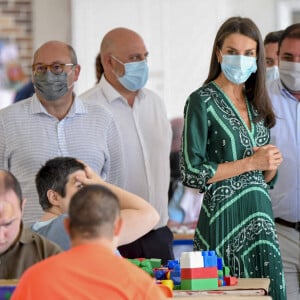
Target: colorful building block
(192,259)
(226,271)
(220,273)
(160,273)
(220,263)
(147,266)
(168,283)
(196,273)
(199,284)
(230,280)
(209,258)
(155,262)
(172,263)
(134,261)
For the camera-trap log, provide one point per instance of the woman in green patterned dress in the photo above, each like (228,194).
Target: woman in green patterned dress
(226,154)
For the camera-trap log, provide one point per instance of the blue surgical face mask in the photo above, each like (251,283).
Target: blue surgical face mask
(238,68)
(272,73)
(135,76)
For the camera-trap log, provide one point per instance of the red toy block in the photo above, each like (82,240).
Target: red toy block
(140,258)
(197,273)
(220,282)
(230,280)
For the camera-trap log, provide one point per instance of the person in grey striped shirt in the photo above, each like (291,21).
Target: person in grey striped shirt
(55,122)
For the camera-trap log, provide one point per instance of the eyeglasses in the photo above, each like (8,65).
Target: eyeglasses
(55,68)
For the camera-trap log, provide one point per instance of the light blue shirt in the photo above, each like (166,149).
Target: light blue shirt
(286,136)
(146,137)
(29,136)
(54,230)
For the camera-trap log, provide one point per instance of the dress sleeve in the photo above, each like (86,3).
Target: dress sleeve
(196,169)
(272,182)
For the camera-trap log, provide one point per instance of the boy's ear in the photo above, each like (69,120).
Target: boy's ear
(53,197)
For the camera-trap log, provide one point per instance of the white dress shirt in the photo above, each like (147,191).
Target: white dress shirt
(146,137)
(29,136)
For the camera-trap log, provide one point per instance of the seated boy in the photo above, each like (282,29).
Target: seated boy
(60,178)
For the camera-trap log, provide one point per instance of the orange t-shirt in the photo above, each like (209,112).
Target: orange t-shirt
(87,271)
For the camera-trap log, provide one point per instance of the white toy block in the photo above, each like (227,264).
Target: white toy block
(192,259)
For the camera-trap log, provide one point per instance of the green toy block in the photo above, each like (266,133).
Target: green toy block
(134,261)
(220,273)
(155,262)
(199,284)
(147,266)
(226,271)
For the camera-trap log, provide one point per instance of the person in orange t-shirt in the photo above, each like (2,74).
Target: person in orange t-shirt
(90,269)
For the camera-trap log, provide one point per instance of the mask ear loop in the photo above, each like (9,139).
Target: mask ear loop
(69,86)
(123,64)
(117,60)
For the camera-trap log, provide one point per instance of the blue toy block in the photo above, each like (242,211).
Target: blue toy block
(220,263)
(160,274)
(176,280)
(174,274)
(208,253)
(209,259)
(172,263)
(177,268)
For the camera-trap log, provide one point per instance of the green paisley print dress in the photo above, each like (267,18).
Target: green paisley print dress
(236,216)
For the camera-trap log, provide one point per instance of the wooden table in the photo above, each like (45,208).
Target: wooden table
(183,236)
(224,297)
(246,289)
(7,287)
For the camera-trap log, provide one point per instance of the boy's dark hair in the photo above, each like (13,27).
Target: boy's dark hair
(54,176)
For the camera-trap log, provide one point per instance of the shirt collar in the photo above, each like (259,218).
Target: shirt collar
(77,107)
(284,91)
(26,235)
(111,94)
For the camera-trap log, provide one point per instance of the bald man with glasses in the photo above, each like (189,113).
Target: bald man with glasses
(55,122)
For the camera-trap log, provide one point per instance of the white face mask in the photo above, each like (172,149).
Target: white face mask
(272,73)
(290,75)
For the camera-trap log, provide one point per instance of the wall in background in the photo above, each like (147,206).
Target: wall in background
(16,30)
(178,34)
(51,21)
(15,47)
